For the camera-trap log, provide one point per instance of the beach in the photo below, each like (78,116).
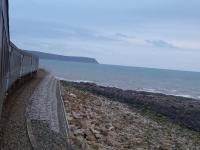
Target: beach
(105,118)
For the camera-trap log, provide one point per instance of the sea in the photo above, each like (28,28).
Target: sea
(170,82)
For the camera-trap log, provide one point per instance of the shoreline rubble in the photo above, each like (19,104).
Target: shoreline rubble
(99,122)
(185,111)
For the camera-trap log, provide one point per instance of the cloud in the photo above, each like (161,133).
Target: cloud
(25,29)
(121,35)
(160,44)
(81,33)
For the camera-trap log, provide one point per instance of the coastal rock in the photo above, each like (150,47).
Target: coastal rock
(102,122)
(90,137)
(104,132)
(98,136)
(76,115)
(79,132)
(94,131)
(84,124)
(72,95)
(180,109)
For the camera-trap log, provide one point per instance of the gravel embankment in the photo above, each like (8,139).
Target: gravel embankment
(98,122)
(45,118)
(33,116)
(14,135)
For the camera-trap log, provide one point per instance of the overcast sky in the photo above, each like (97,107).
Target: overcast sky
(147,33)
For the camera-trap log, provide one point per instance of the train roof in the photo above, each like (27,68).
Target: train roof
(23,52)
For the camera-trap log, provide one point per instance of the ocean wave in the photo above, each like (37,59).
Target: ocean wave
(184,95)
(167,92)
(173,91)
(155,90)
(84,81)
(78,81)
(152,90)
(149,90)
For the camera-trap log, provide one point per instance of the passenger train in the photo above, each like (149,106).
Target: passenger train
(15,63)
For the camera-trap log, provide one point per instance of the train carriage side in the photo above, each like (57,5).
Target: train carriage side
(21,64)
(35,63)
(4,50)
(14,63)
(26,63)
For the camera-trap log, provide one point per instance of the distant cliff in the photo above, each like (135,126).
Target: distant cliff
(64,58)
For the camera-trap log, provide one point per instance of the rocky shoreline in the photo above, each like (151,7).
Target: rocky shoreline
(185,111)
(109,118)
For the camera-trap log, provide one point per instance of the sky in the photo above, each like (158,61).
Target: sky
(144,33)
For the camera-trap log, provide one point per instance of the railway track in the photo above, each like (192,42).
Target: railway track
(46,120)
(14,134)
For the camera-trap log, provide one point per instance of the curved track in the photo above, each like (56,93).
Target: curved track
(46,122)
(14,133)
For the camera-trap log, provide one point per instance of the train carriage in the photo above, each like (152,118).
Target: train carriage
(14,62)
(26,64)
(4,49)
